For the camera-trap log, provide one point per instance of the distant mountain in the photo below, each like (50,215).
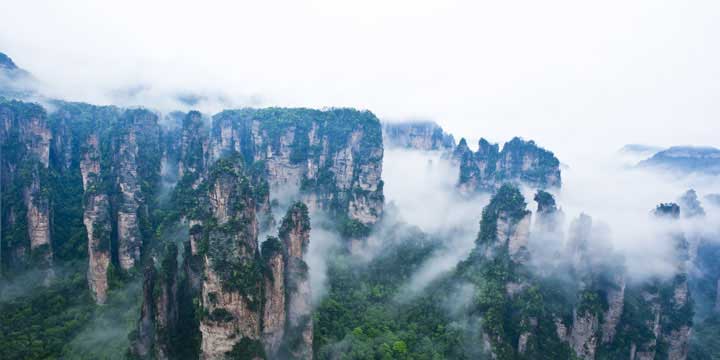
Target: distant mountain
(6,62)
(418,135)
(519,161)
(686,159)
(14,81)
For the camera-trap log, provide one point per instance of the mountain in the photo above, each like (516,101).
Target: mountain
(519,161)
(685,159)
(417,135)
(117,189)
(6,63)
(264,234)
(14,81)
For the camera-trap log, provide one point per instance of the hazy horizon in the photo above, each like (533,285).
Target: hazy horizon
(576,78)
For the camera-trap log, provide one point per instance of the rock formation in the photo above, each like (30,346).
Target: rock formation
(519,161)
(25,215)
(250,301)
(159,317)
(333,157)
(295,235)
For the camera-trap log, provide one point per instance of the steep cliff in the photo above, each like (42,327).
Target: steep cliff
(295,235)
(495,267)
(274,311)
(519,161)
(333,157)
(232,279)
(26,217)
(119,162)
(159,319)
(250,301)
(417,135)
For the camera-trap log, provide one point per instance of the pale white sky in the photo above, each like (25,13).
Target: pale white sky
(576,76)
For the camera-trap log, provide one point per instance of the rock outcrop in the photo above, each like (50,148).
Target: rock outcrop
(274,311)
(26,217)
(159,317)
(252,303)
(231,288)
(333,157)
(417,135)
(295,235)
(136,154)
(519,162)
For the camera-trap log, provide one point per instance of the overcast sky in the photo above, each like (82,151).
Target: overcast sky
(576,76)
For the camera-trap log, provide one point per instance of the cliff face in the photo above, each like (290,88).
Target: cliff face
(295,235)
(231,287)
(419,135)
(119,152)
(597,314)
(333,157)
(159,318)
(519,161)
(136,155)
(274,313)
(250,302)
(25,136)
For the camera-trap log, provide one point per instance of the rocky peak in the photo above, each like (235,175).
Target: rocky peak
(333,157)
(6,62)
(295,234)
(274,310)
(667,210)
(25,179)
(506,224)
(545,202)
(193,145)
(295,230)
(519,161)
(461,149)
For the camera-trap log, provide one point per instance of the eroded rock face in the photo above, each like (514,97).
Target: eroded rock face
(231,282)
(519,161)
(38,217)
(96,218)
(583,335)
(616,302)
(420,135)
(24,167)
(295,234)
(138,159)
(333,157)
(97,223)
(274,315)
(516,234)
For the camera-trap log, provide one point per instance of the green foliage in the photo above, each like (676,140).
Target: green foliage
(297,212)
(705,342)
(507,200)
(361,318)
(352,228)
(220,315)
(247,349)
(39,324)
